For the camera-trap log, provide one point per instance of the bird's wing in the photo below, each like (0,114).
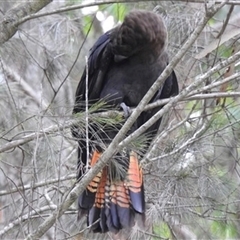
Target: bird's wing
(100,57)
(169,89)
(115,194)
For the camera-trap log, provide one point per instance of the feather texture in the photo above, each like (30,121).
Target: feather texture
(123,64)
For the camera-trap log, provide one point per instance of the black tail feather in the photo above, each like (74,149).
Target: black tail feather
(113,203)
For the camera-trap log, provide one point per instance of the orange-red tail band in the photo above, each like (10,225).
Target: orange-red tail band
(112,203)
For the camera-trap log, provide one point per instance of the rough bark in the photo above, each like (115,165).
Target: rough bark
(10,22)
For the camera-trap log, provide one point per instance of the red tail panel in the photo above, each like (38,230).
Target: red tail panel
(93,185)
(134,176)
(134,181)
(115,202)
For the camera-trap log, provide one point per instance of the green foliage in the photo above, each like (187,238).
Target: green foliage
(229,115)
(162,230)
(140,143)
(99,105)
(193,105)
(71,2)
(224,51)
(118,10)
(111,118)
(87,21)
(223,230)
(211,21)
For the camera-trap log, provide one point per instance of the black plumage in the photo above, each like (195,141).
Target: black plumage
(122,66)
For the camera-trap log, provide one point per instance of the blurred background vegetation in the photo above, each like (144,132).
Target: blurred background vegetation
(191,181)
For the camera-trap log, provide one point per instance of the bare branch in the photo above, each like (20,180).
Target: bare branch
(9,24)
(190,141)
(37,185)
(33,214)
(173,101)
(99,3)
(218,83)
(218,42)
(226,21)
(57,128)
(115,146)
(25,86)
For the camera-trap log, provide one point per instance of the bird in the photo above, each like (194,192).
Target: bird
(122,66)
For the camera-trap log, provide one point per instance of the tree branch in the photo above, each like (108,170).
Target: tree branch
(32,214)
(37,185)
(57,128)
(115,146)
(25,86)
(179,97)
(99,3)
(10,22)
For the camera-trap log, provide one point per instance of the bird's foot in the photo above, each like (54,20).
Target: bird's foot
(126,110)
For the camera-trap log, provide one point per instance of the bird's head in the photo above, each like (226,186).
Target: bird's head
(140,31)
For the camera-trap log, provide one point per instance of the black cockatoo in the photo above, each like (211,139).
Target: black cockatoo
(122,66)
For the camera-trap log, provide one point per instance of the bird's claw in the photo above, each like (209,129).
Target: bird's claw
(126,110)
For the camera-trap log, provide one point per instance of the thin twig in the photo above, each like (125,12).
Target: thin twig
(10,22)
(32,214)
(112,113)
(181,96)
(115,146)
(27,89)
(226,21)
(99,3)
(86,111)
(37,185)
